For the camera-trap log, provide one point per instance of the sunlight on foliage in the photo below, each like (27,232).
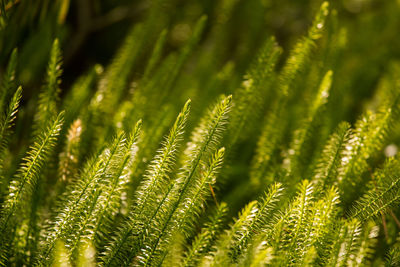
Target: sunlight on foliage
(199,133)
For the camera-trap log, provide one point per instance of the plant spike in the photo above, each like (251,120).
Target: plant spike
(193,202)
(302,135)
(346,244)
(384,195)
(275,121)
(6,122)
(204,138)
(249,99)
(221,250)
(48,98)
(263,217)
(201,244)
(156,180)
(110,202)
(82,199)
(328,167)
(21,187)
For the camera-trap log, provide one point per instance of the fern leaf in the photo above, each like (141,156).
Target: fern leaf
(110,202)
(6,122)
(194,200)
(368,137)
(204,138)
(346,244)
(21,187)
(330,161)
(48,98)
(248,101)
(202,243)
(260,221)
(245,219)
(274,123)
(8,79)
(81,195)
(68,167)
(299,144)
(385,195)
(393,257)
(103,188)
(154,182)
(163,161)
(366,246)
(298,221)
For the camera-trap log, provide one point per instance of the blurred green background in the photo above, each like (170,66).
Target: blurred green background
(91,30)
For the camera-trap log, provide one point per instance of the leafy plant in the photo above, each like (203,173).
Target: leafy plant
(189,149)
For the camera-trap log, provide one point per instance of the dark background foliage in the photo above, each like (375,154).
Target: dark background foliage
(92,30)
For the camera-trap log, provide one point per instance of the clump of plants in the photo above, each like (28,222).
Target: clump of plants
(179,157)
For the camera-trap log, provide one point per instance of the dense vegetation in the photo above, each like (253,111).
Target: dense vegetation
(204,140)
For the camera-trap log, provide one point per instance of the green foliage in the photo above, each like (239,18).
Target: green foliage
(285,153)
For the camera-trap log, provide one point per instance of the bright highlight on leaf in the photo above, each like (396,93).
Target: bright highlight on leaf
(215,133)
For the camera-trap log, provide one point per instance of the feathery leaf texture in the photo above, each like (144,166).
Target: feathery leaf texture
(274,125)
(49,97)
(288,158)
(21,187)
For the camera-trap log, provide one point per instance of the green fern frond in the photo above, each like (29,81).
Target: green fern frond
(79,197)
(263,217)
(346,244)
(163,161)
(6,122)
(204,138)
(20,189)
(302,50)
(110,201)
(193,201)
(250,97)
(123,177)
(201,245)
(367,244)
(299,218)
(104,187)
(328,167)
(302,135)
(393,257)
(275,122)
(321,226)
(147,195)
(49,97)
(383,195)
(368,138)
(68,167)
(241,225)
